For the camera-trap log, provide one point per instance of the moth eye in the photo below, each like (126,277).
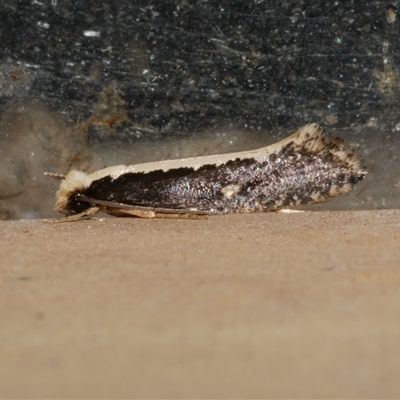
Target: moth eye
(77,205)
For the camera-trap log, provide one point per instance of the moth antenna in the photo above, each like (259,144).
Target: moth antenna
(55,176)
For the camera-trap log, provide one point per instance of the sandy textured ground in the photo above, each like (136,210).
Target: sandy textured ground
(266,305)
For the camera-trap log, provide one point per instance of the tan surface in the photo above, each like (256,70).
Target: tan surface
(303,305)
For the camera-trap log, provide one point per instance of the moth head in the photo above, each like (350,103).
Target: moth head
(69,199)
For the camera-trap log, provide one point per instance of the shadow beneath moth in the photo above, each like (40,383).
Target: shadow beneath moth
(306,167)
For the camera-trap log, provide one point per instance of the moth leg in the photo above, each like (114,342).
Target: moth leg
(87,214)
(179,216)
(126,210)
(118,212)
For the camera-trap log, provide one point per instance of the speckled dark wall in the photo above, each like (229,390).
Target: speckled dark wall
(85,84)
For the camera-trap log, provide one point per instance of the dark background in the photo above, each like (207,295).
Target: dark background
(131,81)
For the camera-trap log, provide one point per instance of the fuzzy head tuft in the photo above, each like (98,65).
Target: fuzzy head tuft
(74,182)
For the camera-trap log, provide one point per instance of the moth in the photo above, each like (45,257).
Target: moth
(306,167)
